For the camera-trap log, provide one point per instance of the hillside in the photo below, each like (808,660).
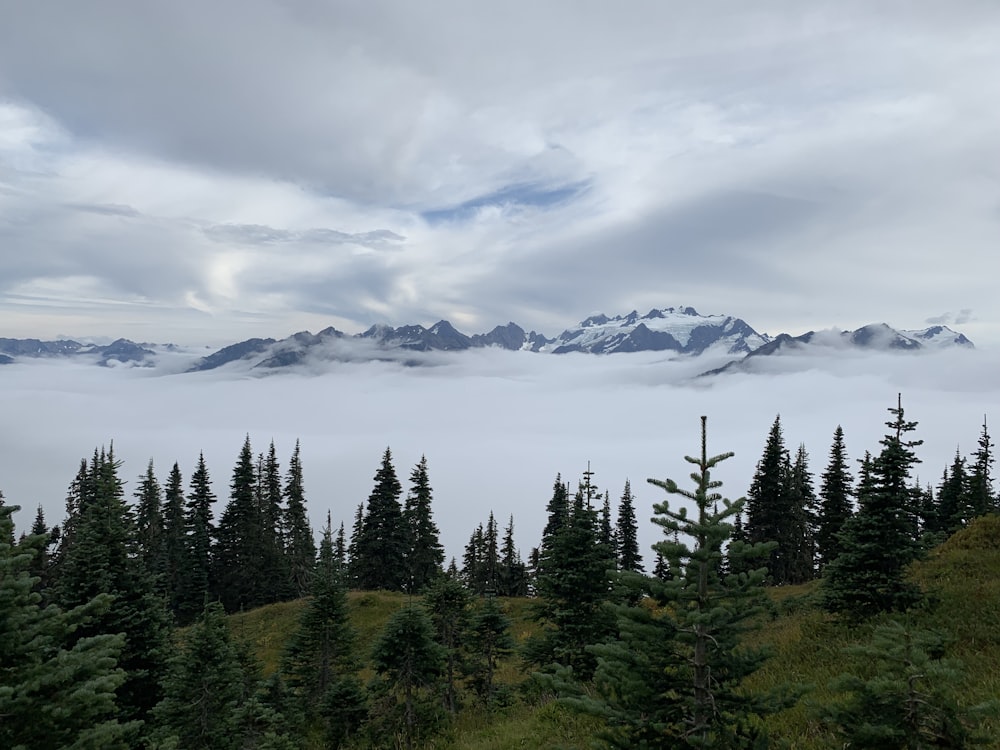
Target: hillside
(961,578)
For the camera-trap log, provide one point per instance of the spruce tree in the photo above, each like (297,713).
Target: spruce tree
(149,524)
(513,574)
(426,555)
(951,510)
(489,640)
(354,560)
(877,543)
(300,547)
(982,498)
(237,554)
(835,492)
(802,501)
(56,690)
(275,581)
(382,543)
(627,533)
(447,602)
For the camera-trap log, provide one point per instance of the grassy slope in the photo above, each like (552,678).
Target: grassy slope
(962,577)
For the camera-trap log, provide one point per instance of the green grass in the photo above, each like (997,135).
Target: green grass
(961,578)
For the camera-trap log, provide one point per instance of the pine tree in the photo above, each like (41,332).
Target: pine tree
(836,488)
(56,690)
(382,543)
(877,543)
(193,592)
(353,559)
(557,512)
(489,641)
(409,663)
(474,569)
(951,510)
(275,578)
(627,533)
(674,678)
(802,500)
(300,548)
(426,555)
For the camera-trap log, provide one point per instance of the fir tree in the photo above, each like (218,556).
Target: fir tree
(513,574)
(237,553)
(275,578)
(426,555)
(56,690)
(300,548)
(982,499)
(627,533)
(353,558)
(409,663)
(382,543)
(174,540)
(802,501)
(489,641)
(447,603)
(149,524)
(194,587)
(951,511)
(877,543)
(557,512)
(836,488)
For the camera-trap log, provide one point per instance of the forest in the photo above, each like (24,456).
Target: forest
(120,626)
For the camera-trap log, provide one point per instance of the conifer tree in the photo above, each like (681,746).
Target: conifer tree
(982,498)
(557,512)
(627,533)
(409,663)
(56,690)
(204,689)
(319,663)
(447,602)
(950,511)
(174,539)
(353,559)
(836,488)
(877,543)
(195,585)
(382,543)
(802,524)
(513,574)
(275,582)
(674,677)
(300,547)
(606,530)
(149,524)
(426,554)
(40,562)
(101,559)
(236,558)
(474,562)
(489,641)
(573,585)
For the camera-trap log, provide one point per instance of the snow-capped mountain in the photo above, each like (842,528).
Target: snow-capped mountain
(681,331)
(677,329)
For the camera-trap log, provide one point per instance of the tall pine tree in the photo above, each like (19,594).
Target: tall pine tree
(381,550)
(426,555)
(300,547)
(835,492)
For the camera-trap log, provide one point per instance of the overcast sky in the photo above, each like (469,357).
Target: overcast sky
(207,172)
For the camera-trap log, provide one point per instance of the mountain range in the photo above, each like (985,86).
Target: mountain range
(680,331)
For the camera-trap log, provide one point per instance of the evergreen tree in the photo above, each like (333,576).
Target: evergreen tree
(802,500)
(353,559)
(426,555)
(557,512)
(300,547)
(982,499)
(513,574)
(951,511)
(836,487)
(772,514)
(674,678)
(40,562)
(319,662)
(174,540)
(627,533)
(409,663)
(382,543)
(56,690)
(447,603)
(149,524)
(204,689)
(904,696)
(573,585)
(475,566)
(877,543)
(339,547)
(237,553)
(101,559)
(275,578)
(194,587)
(489,641)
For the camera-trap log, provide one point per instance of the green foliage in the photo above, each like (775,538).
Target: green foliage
(903,695)
(381,542)
(56,690)
(300,547)
(489,641)
(193,589)
(878,542)
(425,554)
(627,532)
(836,487)
(447,602)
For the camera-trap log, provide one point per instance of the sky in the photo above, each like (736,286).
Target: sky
(202,173)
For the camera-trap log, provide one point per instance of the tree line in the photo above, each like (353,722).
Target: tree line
(90,607)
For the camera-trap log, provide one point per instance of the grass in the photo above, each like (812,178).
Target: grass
(961,578)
